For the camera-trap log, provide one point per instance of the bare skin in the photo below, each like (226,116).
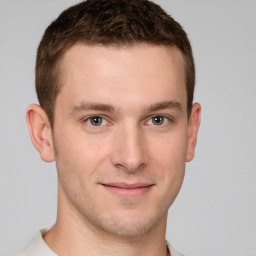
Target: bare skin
(120,141)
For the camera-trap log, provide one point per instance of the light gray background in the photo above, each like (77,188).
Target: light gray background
(215,212)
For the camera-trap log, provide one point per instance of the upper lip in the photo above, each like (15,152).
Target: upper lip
(127,185)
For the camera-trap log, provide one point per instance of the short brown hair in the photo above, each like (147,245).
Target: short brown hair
(106,22)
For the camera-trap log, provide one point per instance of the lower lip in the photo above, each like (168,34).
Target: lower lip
(128,192)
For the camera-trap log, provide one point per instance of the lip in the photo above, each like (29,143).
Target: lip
(125,190)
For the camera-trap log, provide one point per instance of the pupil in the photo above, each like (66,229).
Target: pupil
(96,120)
(158,120)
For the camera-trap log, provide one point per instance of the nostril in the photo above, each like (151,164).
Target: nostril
(128,167)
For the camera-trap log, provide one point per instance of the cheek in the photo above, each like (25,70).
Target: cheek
(168,157)
(170,149)
(172,162)
(77,163)
(78,155)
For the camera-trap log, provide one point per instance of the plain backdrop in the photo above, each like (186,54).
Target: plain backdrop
(215,212)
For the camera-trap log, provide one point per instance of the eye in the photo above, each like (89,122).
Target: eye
(96,121)
(158,120)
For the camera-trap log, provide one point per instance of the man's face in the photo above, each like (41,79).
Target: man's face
(121,135)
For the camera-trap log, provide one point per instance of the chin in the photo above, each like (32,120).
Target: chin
(130,226)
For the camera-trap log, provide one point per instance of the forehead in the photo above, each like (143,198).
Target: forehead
(146,56)
(100,72)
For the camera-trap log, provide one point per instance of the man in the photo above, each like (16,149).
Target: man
(115,82)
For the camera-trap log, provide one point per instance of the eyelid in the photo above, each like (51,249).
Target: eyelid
(164,117)
(148,118)
(86,119)
(168,119)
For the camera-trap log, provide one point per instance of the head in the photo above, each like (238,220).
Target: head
(115,82)
(107,23)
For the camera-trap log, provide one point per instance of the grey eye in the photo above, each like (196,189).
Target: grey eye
(158,120)
(96,120)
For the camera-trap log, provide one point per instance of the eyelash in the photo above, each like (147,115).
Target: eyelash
(165,120)
(89,119)
(151,120)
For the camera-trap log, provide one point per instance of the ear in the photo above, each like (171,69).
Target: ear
(40,132)
(193,127)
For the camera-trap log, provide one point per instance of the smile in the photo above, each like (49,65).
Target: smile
(125,190)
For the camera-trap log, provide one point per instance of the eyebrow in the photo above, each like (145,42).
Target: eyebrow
(85,106)
(164,105)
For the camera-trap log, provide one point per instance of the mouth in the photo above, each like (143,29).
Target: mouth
(125,190)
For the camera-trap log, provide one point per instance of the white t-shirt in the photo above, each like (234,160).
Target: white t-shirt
(38,247)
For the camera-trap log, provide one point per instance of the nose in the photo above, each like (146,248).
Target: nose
(129,149)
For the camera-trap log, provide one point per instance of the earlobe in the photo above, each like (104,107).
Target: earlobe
(193,127)
(40,132)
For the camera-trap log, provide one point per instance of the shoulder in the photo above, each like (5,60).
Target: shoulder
(36,247)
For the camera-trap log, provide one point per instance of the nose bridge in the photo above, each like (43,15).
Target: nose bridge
(129,151)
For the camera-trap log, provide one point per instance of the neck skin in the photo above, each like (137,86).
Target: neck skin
(73,236)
